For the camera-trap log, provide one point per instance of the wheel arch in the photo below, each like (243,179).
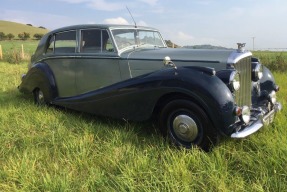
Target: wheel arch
(40,76)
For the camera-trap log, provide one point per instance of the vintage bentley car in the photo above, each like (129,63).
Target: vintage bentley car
(127,72)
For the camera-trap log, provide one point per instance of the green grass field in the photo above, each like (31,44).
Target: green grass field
(50,149)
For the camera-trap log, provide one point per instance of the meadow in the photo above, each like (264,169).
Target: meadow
(52,149)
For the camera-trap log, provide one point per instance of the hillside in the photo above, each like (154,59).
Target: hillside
(16,28)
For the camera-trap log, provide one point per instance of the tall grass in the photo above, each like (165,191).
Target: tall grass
(275,61)
(51,149)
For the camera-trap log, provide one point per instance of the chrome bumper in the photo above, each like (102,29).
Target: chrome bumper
(259,123)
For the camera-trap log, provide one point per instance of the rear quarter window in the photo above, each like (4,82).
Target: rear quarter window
(64,42)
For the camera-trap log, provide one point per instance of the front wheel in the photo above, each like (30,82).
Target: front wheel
(187,125)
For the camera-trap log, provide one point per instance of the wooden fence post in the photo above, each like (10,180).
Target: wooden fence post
(22,52)
(1,54)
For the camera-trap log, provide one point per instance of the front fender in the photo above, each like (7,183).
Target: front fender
(263,88)
(212,94)
(267,82)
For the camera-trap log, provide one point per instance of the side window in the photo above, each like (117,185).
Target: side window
(107,42)
(50,46)
(65,42)
(95,41)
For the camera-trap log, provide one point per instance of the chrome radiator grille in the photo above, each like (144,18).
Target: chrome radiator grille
(243,95)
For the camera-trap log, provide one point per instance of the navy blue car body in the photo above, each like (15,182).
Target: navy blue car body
(128,73)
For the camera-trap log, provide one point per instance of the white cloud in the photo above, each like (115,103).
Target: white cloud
(150,2)
(118,20)
(103,5)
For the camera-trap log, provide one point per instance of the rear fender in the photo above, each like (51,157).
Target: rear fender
(39,76)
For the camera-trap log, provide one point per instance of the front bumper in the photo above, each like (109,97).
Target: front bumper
(258,122)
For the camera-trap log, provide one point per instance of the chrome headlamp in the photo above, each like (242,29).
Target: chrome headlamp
(234,81)
(257,71)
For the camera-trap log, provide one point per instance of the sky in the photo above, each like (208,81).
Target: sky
(261,24)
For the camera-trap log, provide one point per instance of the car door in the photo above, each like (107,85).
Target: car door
(97,64)
(60,55)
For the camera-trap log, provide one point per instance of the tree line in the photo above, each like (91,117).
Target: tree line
(21,36)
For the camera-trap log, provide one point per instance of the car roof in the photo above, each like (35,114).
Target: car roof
(102,26)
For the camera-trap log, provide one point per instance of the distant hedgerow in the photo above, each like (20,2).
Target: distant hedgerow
(38,36)
(24,36)
(275,61)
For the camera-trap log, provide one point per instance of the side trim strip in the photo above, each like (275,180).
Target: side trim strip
(176,60)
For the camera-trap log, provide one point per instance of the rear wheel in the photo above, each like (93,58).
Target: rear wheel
(187,125)
(39,97)
(42,96)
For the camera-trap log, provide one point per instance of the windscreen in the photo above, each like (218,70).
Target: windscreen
(127,38)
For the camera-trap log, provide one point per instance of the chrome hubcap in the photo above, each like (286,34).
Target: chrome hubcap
(185,128)
(40,97)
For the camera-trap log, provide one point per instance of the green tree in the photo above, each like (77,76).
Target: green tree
(21,36)
(24,36)
(41,27)
(38,36)
(10,36)
(2,36)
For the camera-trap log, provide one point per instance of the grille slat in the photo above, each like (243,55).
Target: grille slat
(243,95)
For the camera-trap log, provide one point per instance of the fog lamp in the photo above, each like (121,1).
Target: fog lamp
(245,114)
(272,97)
